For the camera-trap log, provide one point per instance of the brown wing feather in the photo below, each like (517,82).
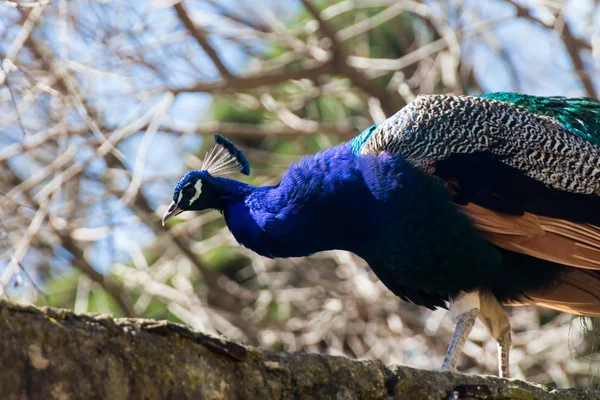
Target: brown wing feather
(489,221)
(551,239)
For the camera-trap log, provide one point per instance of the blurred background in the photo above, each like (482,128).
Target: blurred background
(104,105)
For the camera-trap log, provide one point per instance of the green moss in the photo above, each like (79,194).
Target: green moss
(404,387)
(312,373)
(516,393)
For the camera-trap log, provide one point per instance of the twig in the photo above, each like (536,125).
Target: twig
(368,24)
(574,50)
(390,104)
(136,180)
(255,81)
(242,131)
(202,38)
(572,44)
(31,20)
(110,285)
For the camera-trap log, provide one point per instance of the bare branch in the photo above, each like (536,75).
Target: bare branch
(201,37)
(574,49)
(339,56)
(254,81)
(573,45)
(246,131)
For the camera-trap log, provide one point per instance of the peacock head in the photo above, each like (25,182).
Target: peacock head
(196,190)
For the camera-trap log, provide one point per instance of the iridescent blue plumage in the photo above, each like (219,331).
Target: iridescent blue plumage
(490,198)
(375,206)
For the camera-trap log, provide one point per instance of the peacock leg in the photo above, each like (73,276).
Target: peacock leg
(494,317)
(463,309)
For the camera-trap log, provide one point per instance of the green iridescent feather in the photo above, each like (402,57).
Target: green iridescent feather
(580,115)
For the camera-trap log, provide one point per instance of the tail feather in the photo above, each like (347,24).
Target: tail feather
(577,293)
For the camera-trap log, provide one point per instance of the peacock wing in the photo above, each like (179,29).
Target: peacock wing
(579,115)
(525,169)
(522,215)
(553,140)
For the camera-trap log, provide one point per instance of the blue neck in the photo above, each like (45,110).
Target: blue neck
(320,204)
(229,191)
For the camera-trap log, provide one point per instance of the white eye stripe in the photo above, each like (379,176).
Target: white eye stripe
(198,187)
(179,196)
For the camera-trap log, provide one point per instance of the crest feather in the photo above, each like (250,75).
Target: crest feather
(224,158)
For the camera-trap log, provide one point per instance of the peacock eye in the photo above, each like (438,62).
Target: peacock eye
(189,191)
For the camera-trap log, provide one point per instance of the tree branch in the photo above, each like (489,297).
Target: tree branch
(254,81)
(572,44)
(573,48)
(53,353)
(201,37)
(110,285)
(389,103)
(524,12)
(238,130)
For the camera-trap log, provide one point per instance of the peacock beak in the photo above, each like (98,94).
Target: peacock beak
(171,212)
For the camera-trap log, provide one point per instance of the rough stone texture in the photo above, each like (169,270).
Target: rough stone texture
(56,354)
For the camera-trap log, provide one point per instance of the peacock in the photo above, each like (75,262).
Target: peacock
(464,202)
